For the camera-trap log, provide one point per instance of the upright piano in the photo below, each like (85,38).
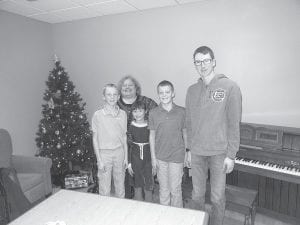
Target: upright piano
(269,162)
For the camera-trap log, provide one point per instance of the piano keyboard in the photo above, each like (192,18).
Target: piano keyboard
(287,173)
(268,166)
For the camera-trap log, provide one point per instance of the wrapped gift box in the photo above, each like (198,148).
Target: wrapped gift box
(73,181)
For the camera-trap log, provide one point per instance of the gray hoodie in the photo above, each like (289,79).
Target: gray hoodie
(213,116)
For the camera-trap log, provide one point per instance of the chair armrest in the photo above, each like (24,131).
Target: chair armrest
(32,164)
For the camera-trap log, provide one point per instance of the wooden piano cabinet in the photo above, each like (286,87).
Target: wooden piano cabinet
(275,197)
(269,162)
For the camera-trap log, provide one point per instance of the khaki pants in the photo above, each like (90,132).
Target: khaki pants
(113,160)
(169,176)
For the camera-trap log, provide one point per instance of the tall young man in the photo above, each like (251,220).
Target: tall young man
(213,115)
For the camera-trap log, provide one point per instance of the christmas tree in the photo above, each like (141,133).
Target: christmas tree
(64,134)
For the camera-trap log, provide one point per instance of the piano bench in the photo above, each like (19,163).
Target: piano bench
(242,200)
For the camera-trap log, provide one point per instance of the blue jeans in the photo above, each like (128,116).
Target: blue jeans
(200,165)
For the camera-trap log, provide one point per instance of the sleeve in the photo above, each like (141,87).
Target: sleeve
(234,114)
(125,121)
(129,141)
(184,119)
(188,124)
(151,122)
(150,104)
(95,135)
(94,127)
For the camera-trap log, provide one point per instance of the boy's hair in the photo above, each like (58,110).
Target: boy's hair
(109,85)
(136,84)
(204,50)
(139,105)
(165,83)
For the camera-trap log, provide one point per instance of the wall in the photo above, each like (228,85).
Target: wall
(256,44)
(25,60)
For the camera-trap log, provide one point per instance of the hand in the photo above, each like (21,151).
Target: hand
(228,165)
(154,167)
(188,160)
(130,170)
(101,167)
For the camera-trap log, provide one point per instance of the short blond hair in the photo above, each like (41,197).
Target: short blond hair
(110,85)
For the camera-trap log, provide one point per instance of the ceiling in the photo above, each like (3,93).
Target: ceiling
(57,11)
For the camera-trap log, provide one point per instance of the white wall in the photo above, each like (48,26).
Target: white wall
(25,59)
(256,43)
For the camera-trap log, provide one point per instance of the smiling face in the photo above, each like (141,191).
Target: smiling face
(204,64)
(165,94)
(128,89)
(111,96)
(139,115)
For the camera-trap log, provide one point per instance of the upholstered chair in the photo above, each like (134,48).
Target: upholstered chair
(32,172)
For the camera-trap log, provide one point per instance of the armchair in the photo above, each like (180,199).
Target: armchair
(32,172)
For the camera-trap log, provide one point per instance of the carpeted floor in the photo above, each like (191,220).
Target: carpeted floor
(231,218)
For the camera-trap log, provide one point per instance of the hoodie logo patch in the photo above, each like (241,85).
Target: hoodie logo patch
(219,95)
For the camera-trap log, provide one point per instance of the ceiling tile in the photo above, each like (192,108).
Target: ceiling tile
(88,2)
(113,7)
(146,4)
(47,17)
(48,5)
(75,13)
(79,9)
(17,8)
(189,1)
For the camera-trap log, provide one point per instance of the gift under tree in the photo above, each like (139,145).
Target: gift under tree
(64,134)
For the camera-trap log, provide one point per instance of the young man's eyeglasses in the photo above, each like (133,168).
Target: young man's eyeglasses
(204,62)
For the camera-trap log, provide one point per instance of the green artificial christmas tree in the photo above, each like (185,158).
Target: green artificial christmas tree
(64,134)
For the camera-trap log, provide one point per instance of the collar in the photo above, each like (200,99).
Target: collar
(163,110)
(113,113)
(139,124)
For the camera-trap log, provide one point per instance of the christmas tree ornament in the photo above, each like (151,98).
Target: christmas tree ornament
(57,132)
(78,151)
(50,103)
(58,146)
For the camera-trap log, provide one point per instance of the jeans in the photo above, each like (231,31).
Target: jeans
(200,165)
(169,176)
(113,160)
